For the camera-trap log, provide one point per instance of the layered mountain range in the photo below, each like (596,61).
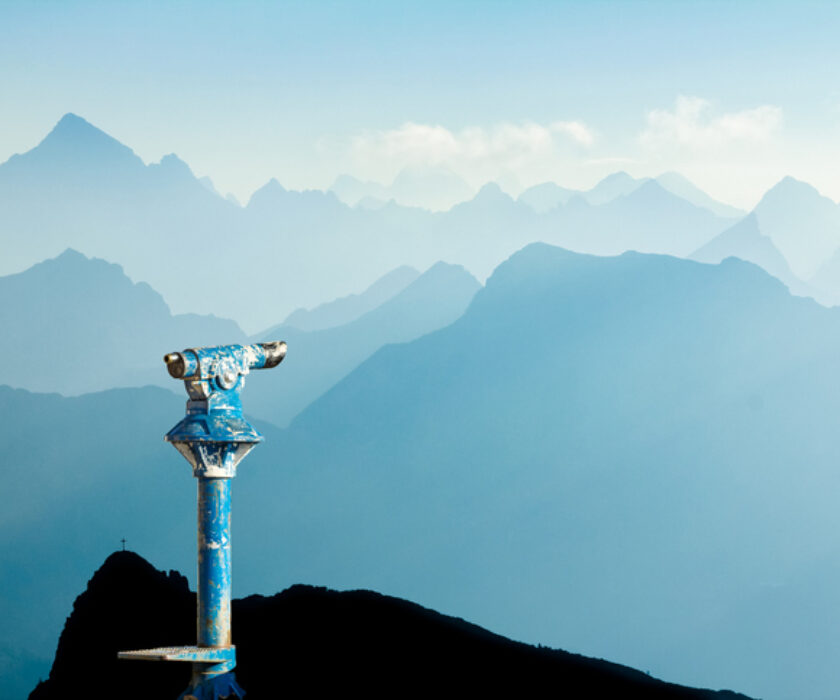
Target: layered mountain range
(80,188)
(76,325)
(630,457)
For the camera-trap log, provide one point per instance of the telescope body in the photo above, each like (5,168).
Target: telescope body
(213,436)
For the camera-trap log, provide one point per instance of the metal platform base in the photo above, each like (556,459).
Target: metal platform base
(196,655)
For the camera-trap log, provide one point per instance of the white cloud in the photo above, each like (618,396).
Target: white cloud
(692,125)
(501,146)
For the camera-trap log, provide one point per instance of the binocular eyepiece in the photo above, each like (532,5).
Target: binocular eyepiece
(225,363)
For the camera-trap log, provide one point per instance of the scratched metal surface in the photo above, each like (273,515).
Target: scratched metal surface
(213,437)
(194,654)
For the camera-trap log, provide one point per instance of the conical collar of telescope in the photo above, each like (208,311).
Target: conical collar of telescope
(214,435)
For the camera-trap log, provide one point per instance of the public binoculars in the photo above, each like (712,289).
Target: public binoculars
(214,437)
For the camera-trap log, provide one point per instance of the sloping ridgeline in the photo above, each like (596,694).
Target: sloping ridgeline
(314,642)
(75,325)
(629,457)
(633,457)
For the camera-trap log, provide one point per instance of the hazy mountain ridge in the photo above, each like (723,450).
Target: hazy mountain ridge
(581,407)
(546,196)
(746,242)
(285,250)
(803,224)
(75,325)
(349,308)
(317,360)
(435,189)
(468,470)
(794,234)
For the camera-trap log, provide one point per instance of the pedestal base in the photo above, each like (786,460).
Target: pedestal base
(213,688)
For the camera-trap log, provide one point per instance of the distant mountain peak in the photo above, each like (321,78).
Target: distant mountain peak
(619,176)
(650,193)
(684,188)
(171,160)
(174,169)
(789,188)
(271,190)
(611,187)
(650,186)
(72,121)
(72,129)
(803,224)
(78,266)
(491,189)
(71,254)
(491,193)
(75,144)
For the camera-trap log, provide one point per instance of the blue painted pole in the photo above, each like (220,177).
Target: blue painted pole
(214,571)
(214,437)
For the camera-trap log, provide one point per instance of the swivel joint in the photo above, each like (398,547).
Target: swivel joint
(214,436)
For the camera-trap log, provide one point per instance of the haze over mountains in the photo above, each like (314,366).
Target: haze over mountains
(322,357)
(80,188)
(436,189)
(86,327)
(746,242)
(632,457)
(650,441)
(349,308)
(548,195)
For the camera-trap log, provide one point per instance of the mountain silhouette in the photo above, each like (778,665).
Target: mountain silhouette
(285,250)
(349,308)
(428,187)
(312,641)
(72,150)
(629,457)
(631,433)
(319,359)
(687,190)
(546,196)
(745,241)
(803,225)
(611,187)
(628,222)
(74,325)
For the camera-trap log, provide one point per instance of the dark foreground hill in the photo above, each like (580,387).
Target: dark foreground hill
(315,642)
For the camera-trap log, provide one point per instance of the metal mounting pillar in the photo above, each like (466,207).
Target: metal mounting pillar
(213,437)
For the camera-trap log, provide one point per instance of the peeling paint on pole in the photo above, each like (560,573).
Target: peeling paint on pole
(213,437)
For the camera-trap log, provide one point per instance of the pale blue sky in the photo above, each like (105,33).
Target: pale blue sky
(733,94)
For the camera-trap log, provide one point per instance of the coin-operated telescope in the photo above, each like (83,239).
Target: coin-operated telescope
(214,437)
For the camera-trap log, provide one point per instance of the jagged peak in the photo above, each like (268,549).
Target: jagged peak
(73,130)
(71,254)
(73,123)
(491,192)
(789,185)
(173,168)
(619,176)
(171,160)
(75,144)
